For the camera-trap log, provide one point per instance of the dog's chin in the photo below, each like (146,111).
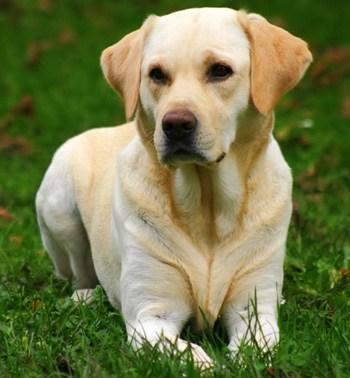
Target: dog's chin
(182,157)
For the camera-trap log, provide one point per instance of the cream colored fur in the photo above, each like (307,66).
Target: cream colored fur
(175,242)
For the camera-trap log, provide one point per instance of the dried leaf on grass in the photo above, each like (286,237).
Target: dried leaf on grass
(36,304)
(276,372)
(344,272)
(346,108)
(45,5)
(24,107)
(16,240)
(34,49)
(16,145)
(66,36)
(312,185)
(9,144)
(290,104)
(5,214)
(32,54)
(6,4)
(331,66)
(296,214)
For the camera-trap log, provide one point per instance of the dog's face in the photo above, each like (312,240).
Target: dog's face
(194,84)
(192,74)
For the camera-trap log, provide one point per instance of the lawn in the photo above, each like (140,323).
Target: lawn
(51,88)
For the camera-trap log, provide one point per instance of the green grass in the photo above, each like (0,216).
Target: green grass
(41,332)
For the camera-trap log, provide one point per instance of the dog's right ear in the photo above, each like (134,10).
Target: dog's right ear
(121,65)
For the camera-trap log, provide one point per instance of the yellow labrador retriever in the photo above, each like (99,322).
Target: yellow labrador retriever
(182,214)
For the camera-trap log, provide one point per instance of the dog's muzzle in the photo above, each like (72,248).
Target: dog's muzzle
(179,128)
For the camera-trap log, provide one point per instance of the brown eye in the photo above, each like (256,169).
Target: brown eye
(219,72)
(158,76)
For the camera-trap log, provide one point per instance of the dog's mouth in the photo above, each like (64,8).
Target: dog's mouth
(181,154)
(177,155)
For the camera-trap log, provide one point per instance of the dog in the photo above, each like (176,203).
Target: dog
(182,214)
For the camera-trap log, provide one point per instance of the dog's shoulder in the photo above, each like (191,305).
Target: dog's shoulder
(93,149)
(269,185)
(99,140)
(86,159)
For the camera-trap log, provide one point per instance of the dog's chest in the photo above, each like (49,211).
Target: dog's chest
(206,310)
(210,279)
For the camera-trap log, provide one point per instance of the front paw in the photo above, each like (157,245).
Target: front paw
(262,333)
(83,296)
(173,344)
(200,358)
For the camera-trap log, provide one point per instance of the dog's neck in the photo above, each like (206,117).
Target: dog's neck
(206,201)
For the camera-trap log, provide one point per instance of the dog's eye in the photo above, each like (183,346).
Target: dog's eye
(158,76)
(219,72)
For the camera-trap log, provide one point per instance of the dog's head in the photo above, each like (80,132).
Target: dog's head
(191,75)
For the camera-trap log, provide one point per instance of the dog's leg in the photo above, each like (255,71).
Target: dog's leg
(164,332)
(56,251)
(156,305)
(253,324)
(62,231)
(251,317)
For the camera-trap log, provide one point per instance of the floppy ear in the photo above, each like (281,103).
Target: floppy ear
(278,60)
(121,65)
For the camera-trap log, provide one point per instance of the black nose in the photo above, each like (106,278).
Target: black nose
(179,124)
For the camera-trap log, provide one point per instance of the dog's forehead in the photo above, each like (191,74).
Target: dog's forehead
(196,30)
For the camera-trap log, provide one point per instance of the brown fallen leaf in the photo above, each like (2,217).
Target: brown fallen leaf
(45,5)
(35,49)
(5,214)
(346,108)
(331,66)
(36,304)
(25,107)
(311,172)
(344,272)
(17,240)
(66,36)
(15,146)
(6,4)
(312,185)
(32,58)
(272,372)
(289,104)
(329,56)
(296,214)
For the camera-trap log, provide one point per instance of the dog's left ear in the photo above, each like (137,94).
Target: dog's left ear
(121,65)
(278,60)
